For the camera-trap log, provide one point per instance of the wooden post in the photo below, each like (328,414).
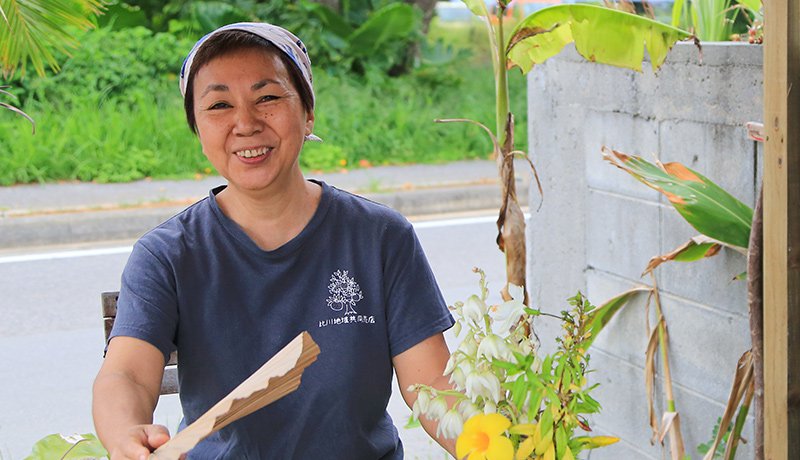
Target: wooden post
(782,230)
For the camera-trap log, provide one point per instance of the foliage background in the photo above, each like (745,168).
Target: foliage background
(114,113)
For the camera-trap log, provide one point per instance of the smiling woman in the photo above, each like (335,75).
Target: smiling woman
(270,254)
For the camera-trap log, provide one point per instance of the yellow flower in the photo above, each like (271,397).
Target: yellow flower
(482,439)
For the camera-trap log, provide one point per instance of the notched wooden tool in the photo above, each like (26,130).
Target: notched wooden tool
(275,379)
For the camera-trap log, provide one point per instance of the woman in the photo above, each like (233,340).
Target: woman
(233,278)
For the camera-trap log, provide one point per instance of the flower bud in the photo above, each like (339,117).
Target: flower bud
(474,309)
(451,425)
(437,408)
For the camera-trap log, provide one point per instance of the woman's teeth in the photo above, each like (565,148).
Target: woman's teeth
(250,153)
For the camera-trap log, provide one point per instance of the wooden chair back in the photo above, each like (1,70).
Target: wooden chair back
(169,383)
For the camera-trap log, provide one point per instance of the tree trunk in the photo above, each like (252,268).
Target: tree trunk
(413,52)
(755,300)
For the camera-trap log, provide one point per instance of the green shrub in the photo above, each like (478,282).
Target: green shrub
(116,64)
(370,120)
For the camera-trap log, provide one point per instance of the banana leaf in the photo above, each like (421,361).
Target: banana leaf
(396,21)
(600,316)
(600,34)
(696,248)
(705,205)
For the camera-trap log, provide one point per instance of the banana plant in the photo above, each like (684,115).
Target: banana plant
(601,35)
(722,220)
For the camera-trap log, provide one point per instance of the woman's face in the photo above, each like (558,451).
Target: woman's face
(250,119)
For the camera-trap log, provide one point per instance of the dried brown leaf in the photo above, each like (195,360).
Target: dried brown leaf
(742,380)
(649,381)
(713,248)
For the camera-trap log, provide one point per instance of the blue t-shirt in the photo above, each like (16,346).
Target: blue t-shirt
(355,278)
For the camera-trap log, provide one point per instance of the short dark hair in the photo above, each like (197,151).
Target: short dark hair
(234,40)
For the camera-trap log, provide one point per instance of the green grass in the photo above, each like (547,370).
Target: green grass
(375,120)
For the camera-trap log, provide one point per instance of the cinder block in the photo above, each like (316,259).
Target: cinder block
(623,450)
(556,230)
(620,232)
(624,413)
(698,417)
(625,337)
(629,134)
(704,346)
(707,281)
(720,152)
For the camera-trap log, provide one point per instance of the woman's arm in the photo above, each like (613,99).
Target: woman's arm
(424,363)
(125,394)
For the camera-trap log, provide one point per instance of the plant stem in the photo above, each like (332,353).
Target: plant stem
(501,80)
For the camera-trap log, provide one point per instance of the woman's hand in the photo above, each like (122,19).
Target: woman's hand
(139,441)
(125,394)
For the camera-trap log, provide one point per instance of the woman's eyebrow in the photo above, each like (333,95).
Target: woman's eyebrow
(263,83)
(214,87)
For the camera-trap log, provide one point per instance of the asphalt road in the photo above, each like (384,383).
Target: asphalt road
(51,337)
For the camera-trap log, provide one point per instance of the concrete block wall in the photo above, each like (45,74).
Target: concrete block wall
(598,227)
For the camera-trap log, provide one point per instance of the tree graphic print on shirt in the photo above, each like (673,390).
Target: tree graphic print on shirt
(345,292)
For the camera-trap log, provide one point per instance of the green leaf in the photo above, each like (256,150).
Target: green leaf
(562,440)
(122,16)
(705,205)
(412,422)
(677,9)
(478,7)
(56,446)
(331,20)
(34,29)
(212,15)
(394,22)
(600,35)
(600,316)
(752,5)
(518,391)
(696,248)
(532,312)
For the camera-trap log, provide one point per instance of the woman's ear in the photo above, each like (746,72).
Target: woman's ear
(309,123)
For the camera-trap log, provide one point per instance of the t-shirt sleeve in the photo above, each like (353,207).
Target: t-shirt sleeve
(416,309)
(147,305)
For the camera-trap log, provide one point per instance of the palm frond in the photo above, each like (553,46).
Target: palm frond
(35,29)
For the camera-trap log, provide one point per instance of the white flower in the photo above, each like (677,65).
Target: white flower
(468,408)
(460,373)
(489,408)
(458,378)
(494,347)
(469,346)
(437,408)
(483,384)
(526,347)
(421,404)
(451,364)
(509,312)
(457,328)
(451,425)
(474,309)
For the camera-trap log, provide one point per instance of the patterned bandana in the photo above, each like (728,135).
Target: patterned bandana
(284,40)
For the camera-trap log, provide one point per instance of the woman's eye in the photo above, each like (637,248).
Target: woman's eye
(267,98)
(219,105)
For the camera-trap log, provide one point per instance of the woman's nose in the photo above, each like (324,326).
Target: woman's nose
(248,122)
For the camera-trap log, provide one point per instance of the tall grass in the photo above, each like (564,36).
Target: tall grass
(371,121)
